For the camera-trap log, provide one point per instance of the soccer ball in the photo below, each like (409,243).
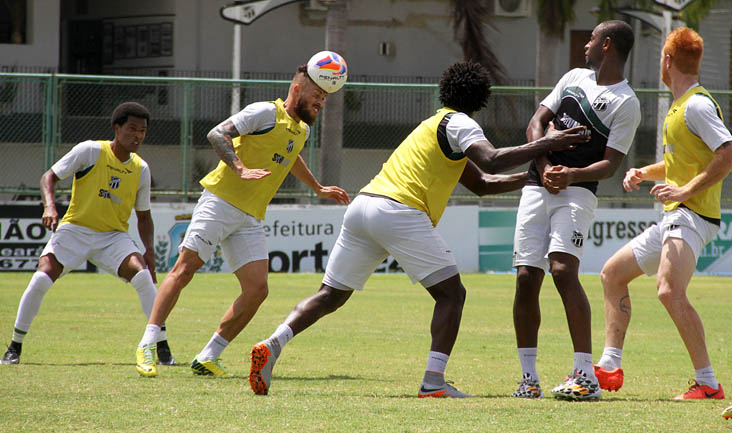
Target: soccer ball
(329,70)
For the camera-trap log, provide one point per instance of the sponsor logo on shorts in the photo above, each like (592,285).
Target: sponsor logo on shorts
(578,239)
(201,238)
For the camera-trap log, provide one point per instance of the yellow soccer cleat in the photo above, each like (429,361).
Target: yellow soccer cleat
(727,413)
(208,368)
(146,361)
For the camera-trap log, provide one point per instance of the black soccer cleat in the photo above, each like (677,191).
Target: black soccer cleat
(12,356)
(164,355)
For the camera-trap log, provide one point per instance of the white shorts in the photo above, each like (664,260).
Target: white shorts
(74,244)
(215,222)
(375,227)
(548,223)
(679,223)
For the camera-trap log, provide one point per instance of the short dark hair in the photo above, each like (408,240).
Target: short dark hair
(465,87)
(621,34)
(126,109)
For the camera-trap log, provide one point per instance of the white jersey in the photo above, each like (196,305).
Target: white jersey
(702,119)
(610,113)
(84,155)
(462,131)
(257,118)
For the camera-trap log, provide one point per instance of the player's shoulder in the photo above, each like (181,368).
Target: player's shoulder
(459,119)
(577,74)
(260,107)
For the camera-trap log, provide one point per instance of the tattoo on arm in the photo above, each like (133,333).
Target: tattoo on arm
(221,138)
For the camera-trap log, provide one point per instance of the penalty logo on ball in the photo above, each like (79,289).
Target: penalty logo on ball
(329,70)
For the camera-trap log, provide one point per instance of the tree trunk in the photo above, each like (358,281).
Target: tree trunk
(331,136)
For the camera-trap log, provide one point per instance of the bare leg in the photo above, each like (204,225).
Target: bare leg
(674,273)
(182,273)
(565,271)
(616,274)
(449,296)
(309,310)
(526,310)
(253,280)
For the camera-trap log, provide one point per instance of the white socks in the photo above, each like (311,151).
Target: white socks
(705,376)
(213,349)
(527,357)
(583,361)
(434,374)
(30,304)
(611,358)
(142,281)
(150,336)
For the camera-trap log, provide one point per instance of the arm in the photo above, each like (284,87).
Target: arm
(718,169)
(146,230)
(481,183)
(652,172)
(560,177)
(492,160)
(301,171)
(48,188)
(536,130)
(221,138)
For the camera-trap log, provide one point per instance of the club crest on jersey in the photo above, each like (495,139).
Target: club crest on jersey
(600,103)
(114,182)
(290,146)
(577,239)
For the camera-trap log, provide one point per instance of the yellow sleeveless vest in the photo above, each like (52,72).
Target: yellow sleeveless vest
(102,197)
(686,155)
(419,173)
(275,149)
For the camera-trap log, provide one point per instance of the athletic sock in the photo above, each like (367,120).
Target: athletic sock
(282,335)
(150,336)
(30,304)
(143,283)
(611,358)
(583,362)
(162,335)
(705,376)
(434,375)
(527,357)
(213,349)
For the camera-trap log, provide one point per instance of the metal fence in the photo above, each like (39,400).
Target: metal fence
(43,115)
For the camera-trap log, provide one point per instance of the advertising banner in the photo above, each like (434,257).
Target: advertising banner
(610,230)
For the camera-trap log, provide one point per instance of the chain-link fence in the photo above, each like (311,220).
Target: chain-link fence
(43,115)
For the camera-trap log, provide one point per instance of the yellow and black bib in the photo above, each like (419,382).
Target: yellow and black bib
(423,171)
(686,155)
(274,149)
(103,195)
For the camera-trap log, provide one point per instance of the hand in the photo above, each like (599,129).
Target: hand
(665,193)
(50,217)
(149,257)
(253,173)
(556,178)
(335,193)
(632,178)
(567,139)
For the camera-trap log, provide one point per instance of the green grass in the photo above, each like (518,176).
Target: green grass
(357,370)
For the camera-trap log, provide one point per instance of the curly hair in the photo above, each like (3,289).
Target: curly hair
(465,87)
(126,109)
(686,48)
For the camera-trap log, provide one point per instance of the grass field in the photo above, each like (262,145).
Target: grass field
(357,370)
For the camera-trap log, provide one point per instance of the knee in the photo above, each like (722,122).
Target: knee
(527,283)
(563,276)
(183,272)
(670,298)
(257,292)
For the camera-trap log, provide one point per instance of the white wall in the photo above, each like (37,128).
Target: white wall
(42,47)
